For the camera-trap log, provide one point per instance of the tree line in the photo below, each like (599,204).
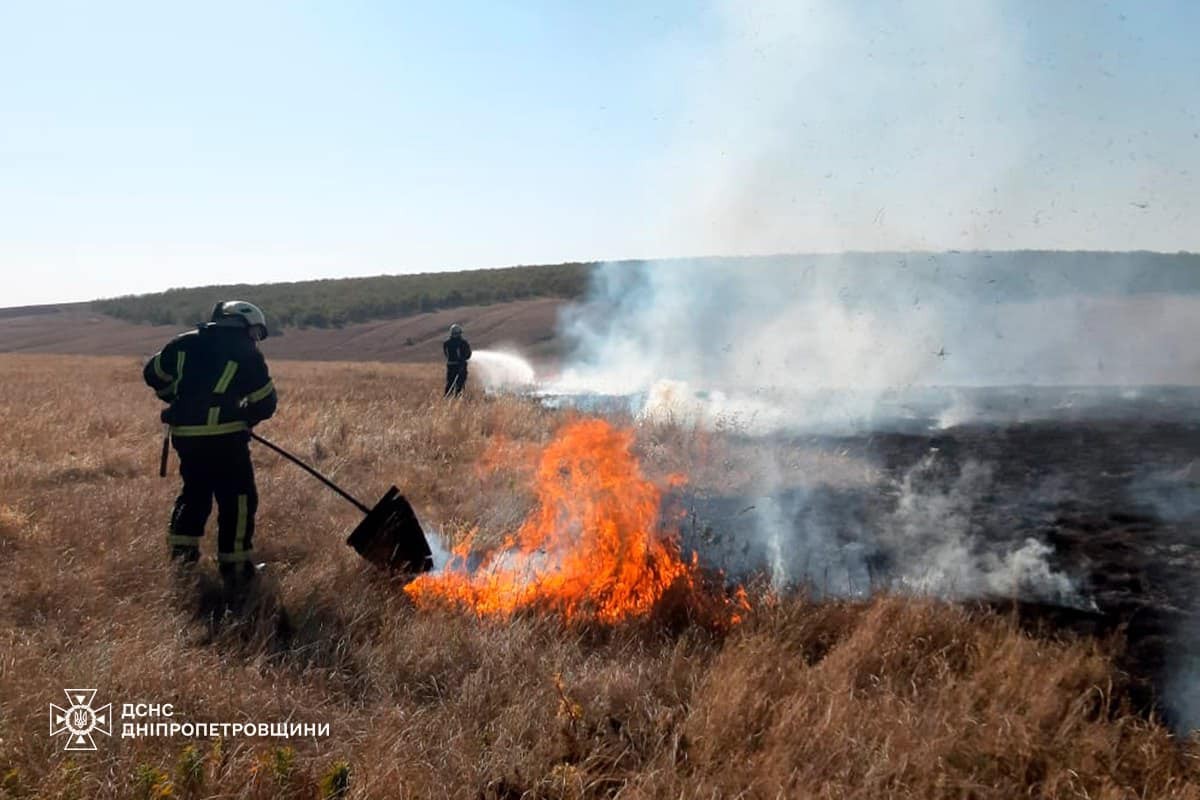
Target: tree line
(1009,276)
(336,302)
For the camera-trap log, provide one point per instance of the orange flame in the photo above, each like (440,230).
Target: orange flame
(590,549)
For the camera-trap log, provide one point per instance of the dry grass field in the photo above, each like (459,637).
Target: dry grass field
(892,697)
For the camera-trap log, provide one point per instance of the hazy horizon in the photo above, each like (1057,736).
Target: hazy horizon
(630,260)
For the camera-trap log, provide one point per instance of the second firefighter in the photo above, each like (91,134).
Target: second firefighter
(458,352)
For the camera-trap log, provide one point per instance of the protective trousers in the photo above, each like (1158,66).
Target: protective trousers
(456,378)
(220,467)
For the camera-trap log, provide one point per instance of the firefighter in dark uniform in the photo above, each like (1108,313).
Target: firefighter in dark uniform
(217,386)
(458,353)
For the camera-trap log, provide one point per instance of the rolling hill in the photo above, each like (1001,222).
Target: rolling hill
(526,325)
(403,318)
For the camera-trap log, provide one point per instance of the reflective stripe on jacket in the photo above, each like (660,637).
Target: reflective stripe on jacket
(215,380)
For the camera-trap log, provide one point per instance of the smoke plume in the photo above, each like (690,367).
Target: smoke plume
(915,140)
(767,339)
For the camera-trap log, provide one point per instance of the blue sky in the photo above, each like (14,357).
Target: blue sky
(149,145)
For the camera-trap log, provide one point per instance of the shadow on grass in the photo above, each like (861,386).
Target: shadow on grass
(253,622)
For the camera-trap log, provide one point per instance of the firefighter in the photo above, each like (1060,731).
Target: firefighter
(458,353)
(217,387)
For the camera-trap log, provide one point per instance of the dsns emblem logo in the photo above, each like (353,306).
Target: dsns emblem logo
(79,719)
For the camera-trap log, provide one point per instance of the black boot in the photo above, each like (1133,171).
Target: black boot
(238,577)
(182,555)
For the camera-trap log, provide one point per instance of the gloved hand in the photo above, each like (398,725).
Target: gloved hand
(242,411)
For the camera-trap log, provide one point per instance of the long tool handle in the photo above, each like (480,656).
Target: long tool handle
(310,471)
(166,451)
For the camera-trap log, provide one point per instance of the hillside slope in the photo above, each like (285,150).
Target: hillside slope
(1010,276)
(336,302)
(525,325)
(403,317)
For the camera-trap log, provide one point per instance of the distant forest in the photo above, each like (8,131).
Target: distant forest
(1003,276)
(337,302)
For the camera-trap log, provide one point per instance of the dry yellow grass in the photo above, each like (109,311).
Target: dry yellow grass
(889,698)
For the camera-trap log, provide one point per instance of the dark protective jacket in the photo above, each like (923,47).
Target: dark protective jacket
(457,350)
(215,380)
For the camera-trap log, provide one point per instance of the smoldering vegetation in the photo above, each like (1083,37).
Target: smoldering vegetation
(1012,428)
(1082,526)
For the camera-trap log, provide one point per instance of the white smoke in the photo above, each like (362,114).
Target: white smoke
(808,119)
(821,127)
(789,345)
(676,402)
(441,554)
(1173,493)
(732,327)
(1183,677)
(941,532)
(939,545)
(960,411)
(500,371)
(810,342)
(805,543)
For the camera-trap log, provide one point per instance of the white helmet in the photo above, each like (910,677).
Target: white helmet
(239,312)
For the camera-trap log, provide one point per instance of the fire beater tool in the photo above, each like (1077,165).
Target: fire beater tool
(389,536)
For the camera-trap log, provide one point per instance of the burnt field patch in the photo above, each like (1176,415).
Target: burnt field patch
(1084,526)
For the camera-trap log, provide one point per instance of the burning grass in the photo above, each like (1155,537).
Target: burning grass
(592,549)
(891,697)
